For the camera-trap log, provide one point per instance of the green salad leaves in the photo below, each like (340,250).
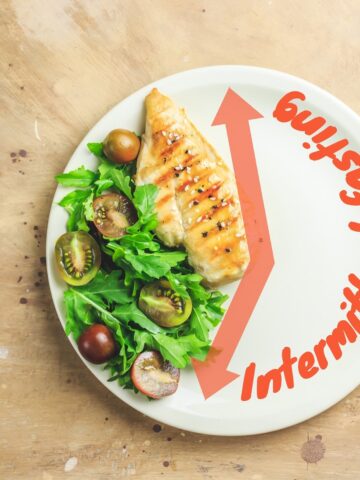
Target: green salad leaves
(129,263)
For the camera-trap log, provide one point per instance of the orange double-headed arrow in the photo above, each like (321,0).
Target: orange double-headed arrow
(235,113)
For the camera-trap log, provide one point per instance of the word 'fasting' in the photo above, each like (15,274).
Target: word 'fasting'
(287,111)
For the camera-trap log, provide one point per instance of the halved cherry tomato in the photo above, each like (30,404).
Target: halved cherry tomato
(154,376)
(113,213)
(160,303)
(78,257)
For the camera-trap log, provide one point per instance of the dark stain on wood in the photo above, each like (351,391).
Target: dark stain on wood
(313,450)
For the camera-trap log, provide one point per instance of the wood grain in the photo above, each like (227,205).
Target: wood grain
(64,63)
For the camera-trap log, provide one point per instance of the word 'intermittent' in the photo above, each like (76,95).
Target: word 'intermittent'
(311,362)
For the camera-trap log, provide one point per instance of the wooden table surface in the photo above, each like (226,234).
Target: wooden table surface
(64,63)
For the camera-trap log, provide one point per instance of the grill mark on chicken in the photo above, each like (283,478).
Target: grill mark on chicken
(211,189)
(163,200)
(218,208)
(203,194)
(167,174)
(167,219)
(189,159)
(169,149)
(169,165)
(165,177)
(203,178)
(182,187)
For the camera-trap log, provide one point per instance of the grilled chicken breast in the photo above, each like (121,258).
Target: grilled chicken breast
(197,204)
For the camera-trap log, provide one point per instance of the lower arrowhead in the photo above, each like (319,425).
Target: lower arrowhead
(212,377)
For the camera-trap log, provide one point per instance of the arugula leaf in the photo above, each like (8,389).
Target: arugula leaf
(102,185)
(81,177)
(124,381)
(131,313)
(96,149)
(109,287)
(144,201)
(78,314)
(172,350)
(73,203)
(176,285)
(195,347)
(207,315)
(214,307)
(91,300)
(114,175)
(122,182)
(88,207)
(140,241)
(105,168)
(146,264)
(177,351)
(171,258)
(200,325)
(156,265)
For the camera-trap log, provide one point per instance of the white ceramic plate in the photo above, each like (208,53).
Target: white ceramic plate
(313,248)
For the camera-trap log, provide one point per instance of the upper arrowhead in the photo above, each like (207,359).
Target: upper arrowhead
(233,109)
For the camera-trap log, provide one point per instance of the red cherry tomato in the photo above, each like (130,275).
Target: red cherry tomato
(121,146)
(97,344)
